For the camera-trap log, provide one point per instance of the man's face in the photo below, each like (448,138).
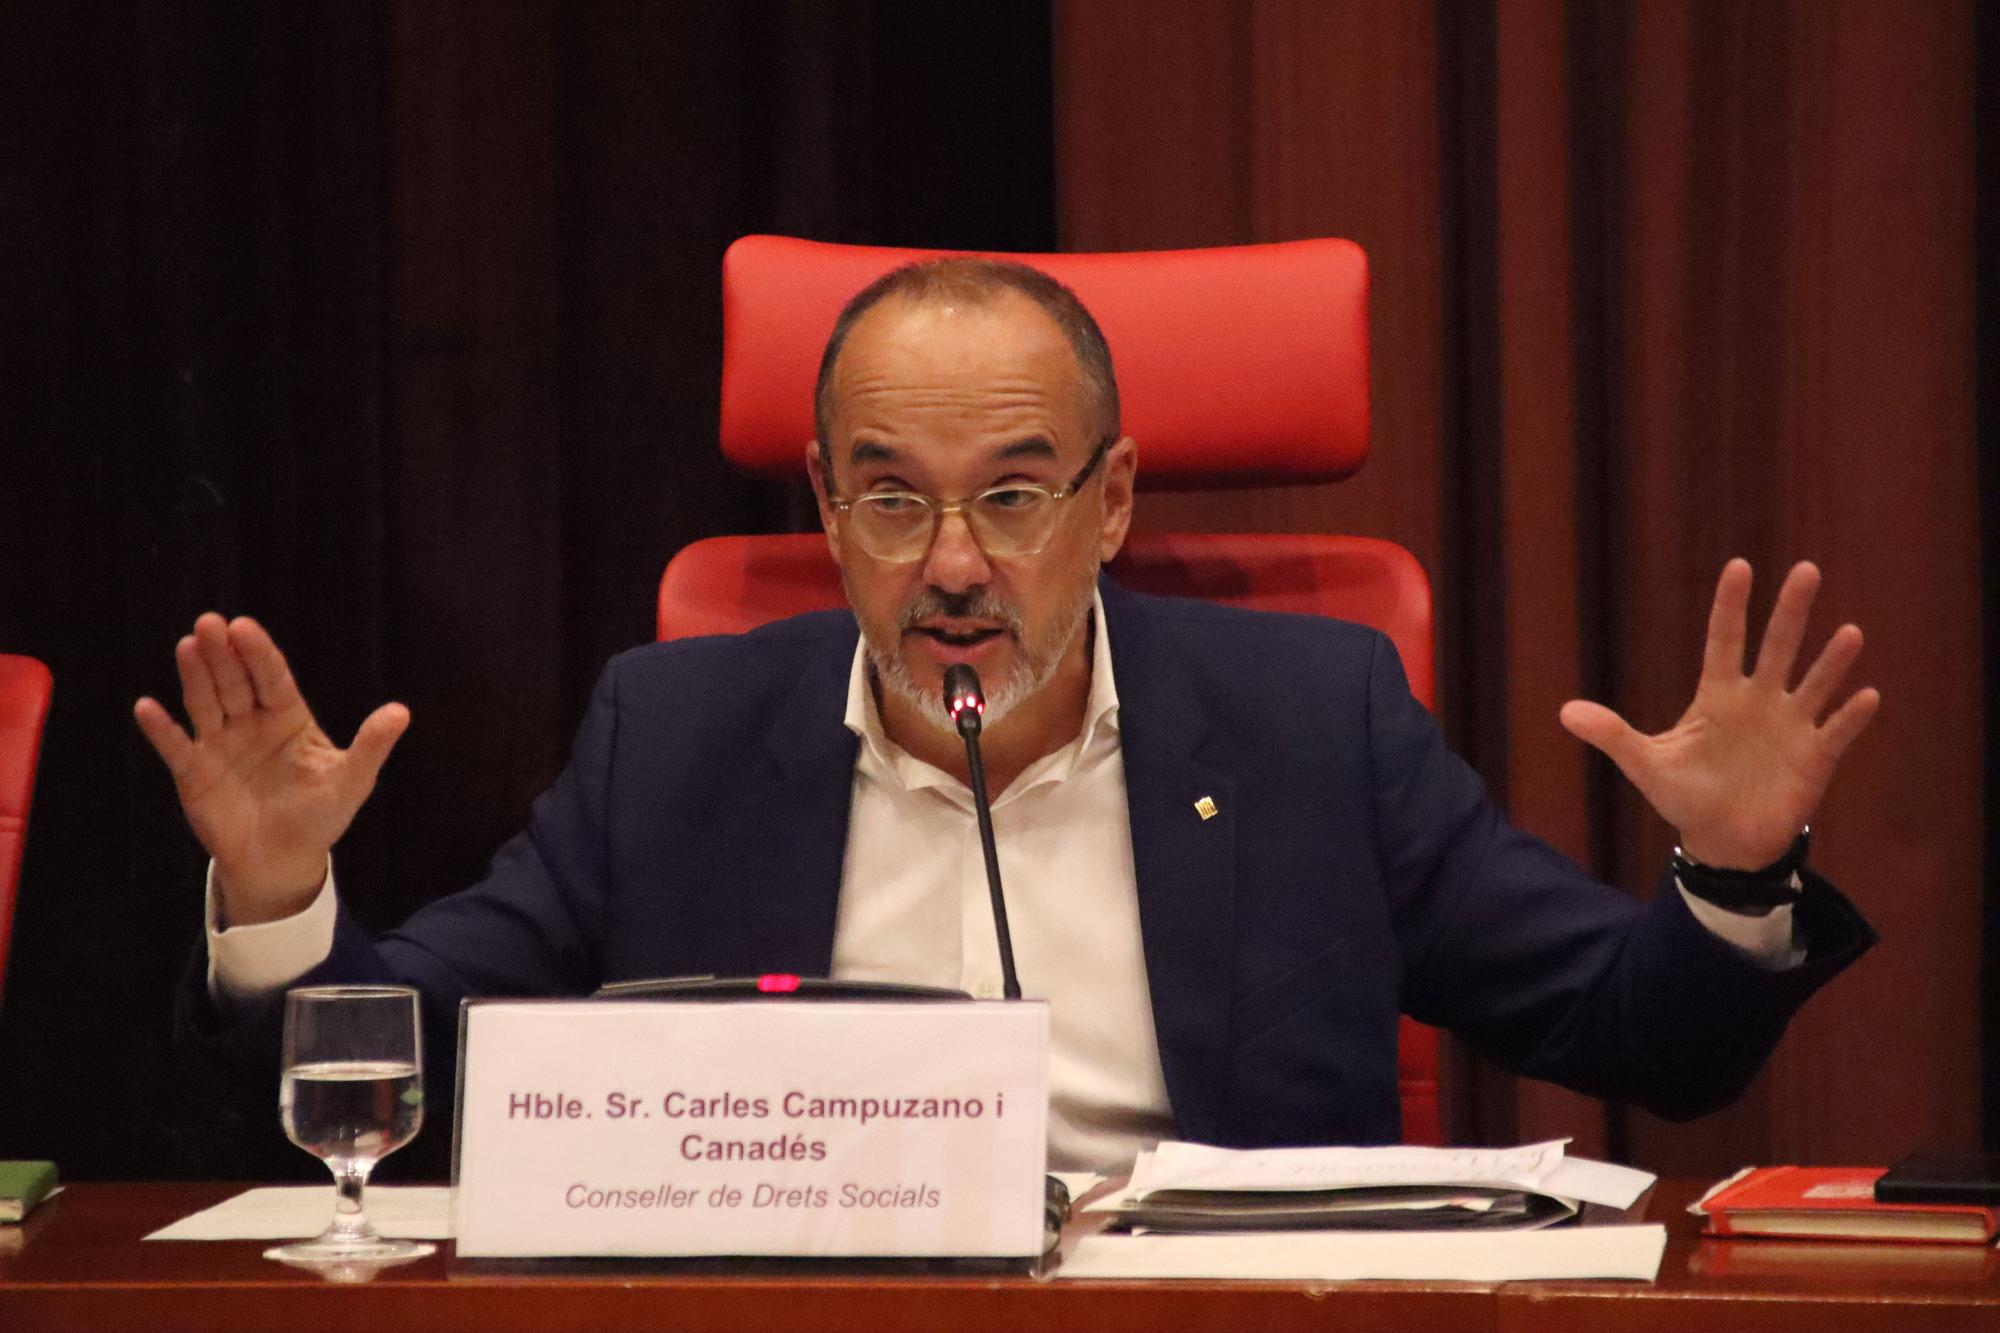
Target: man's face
(948,399)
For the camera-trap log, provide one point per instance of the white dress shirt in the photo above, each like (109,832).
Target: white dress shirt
(914,907)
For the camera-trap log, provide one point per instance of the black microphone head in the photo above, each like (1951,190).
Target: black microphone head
(963,698)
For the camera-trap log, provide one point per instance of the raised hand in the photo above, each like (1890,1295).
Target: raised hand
(1743,770)
(263,788)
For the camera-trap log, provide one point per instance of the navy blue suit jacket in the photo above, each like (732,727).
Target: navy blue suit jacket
(1355,871)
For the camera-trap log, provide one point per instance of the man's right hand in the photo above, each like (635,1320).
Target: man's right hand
(263,788)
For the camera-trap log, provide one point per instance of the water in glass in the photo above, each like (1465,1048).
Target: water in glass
(351,1093)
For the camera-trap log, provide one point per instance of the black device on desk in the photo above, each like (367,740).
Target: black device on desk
(770,986)
(1942,1177)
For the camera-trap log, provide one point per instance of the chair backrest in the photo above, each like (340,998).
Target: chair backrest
(726,585)
(25,689)
(1245,365)
(1241,366)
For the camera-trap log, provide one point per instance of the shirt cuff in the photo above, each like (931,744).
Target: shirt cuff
(250,962)
(1770,941)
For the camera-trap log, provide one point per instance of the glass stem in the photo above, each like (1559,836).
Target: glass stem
(349,1222)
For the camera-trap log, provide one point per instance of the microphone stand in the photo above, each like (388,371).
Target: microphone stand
(967,705)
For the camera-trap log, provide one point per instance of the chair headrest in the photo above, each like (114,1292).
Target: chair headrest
(1239,366)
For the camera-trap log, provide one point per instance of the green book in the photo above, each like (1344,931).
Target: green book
(22,1186)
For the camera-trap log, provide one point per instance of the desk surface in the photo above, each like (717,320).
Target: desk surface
(79,1263)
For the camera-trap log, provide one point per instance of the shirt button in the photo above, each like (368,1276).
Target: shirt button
(986,990)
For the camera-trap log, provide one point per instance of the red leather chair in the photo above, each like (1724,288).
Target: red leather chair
(1239,366)
(25,687)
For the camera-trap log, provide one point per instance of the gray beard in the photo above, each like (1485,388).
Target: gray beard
(1035,668)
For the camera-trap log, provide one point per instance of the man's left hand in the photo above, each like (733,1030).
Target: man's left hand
(1743,770)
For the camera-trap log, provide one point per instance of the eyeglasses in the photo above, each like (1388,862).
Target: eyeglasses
(1018,518)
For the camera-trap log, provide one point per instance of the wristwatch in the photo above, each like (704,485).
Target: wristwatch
(1752,892)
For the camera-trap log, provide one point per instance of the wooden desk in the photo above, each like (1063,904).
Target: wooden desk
(79,1264)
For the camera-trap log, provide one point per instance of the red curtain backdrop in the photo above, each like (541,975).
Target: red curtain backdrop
(1656,282)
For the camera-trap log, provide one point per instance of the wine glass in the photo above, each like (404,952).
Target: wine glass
(351,1094)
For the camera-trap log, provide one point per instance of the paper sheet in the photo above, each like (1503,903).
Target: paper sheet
(1537,1168)
(1079,1183)
(1488,1256)
(1607,1183)
(293,1212)
(1199,1166)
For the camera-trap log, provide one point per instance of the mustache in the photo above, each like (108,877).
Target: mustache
(980,603)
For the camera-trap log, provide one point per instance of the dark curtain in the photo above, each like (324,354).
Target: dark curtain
(395,325)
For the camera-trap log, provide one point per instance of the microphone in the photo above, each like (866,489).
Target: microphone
(966,703)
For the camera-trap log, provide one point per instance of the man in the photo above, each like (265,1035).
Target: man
(1235,846)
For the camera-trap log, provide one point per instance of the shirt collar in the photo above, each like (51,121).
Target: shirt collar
(883,756)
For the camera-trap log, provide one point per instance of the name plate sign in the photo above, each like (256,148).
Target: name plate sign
(817,1128)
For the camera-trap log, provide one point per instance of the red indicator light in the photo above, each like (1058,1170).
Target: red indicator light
(777,983)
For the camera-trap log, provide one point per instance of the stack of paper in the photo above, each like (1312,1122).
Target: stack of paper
(1351,1256)
(1193,1187)
(1366,1213)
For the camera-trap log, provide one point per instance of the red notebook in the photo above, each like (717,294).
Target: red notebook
(1833,1201)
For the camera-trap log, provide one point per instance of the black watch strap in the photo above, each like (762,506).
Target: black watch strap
(1757,892)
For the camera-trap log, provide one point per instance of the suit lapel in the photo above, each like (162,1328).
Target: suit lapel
(790,839)
(1185,864)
